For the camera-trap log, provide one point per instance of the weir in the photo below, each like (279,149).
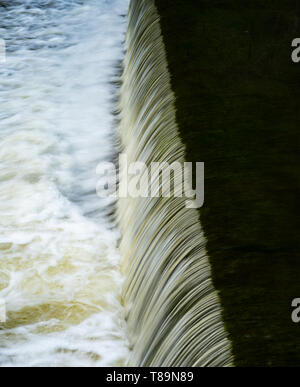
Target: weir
(173,312)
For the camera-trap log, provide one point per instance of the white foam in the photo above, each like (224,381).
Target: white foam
(59,262)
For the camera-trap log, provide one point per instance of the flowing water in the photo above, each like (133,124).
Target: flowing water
(60,274)
(59,262)
(172,309)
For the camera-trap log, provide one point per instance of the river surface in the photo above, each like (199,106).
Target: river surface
(59,259)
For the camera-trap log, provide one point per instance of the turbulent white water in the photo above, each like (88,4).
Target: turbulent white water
(59,262)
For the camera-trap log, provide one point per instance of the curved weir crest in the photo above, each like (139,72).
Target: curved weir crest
(173,311)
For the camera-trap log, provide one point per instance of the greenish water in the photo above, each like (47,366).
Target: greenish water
(238,101)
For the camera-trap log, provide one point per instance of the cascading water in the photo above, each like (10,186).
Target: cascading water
(59,262)
(173,311)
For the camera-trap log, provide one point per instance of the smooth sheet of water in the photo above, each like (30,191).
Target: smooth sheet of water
(59,262)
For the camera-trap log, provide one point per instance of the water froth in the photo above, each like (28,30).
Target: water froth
(59,261)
